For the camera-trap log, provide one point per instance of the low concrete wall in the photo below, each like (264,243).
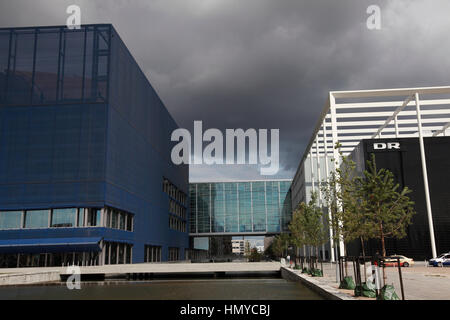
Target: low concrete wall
(41,275)
(29,278)
(324,290)
(180,268)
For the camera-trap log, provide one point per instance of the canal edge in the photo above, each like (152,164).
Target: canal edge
(323,290)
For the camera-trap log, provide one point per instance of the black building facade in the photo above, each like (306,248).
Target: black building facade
(402,157)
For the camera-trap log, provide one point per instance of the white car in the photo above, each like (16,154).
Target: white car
(442,261)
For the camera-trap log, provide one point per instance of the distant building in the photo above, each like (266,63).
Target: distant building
(238,246)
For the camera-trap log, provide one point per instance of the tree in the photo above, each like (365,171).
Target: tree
(247,248)
(339,193)
(385,211)
(285,240)
(276,247)
(254,256)
(279,244)
(297,228)
(307,226)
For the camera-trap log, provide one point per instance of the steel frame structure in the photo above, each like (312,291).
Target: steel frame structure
(350,116)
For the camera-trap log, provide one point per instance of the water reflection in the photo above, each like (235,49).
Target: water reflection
(214,289)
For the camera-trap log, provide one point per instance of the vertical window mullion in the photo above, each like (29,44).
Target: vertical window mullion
(84,64)
(22,220)
(34,65)
(9,64)
(58,78)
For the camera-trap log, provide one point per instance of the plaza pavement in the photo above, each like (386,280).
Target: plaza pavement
(419,282)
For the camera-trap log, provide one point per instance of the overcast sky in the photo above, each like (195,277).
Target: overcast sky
(264,64)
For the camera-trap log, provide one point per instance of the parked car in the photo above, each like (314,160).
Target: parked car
(391,261)
(441,261)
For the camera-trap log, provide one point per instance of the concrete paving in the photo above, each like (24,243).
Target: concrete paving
(420,282)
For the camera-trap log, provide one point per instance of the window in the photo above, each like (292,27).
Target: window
(46,68)
(174,192)
(152,254)
(73,64)
(67,218)
(129,222)
(108,219)
(36,218)
(106,248)
(64,218)
(93,217)
(121,253)
(21,71)
(81,217)
(117,253)
(174,254)
(10,220)
(98,217)
(122,221)
(177,211)
(128,254)
(114,219)
(54,65)
(113,257)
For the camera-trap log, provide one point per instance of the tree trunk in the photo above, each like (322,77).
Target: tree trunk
(383,251)
(346,263)
(317,257)
(364,254)
(362,246)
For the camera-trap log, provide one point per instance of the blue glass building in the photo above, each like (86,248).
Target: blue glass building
(85,169)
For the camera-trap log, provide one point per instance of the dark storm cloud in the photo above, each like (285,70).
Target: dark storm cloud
(264,63)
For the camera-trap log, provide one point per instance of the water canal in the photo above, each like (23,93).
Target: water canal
(185,289)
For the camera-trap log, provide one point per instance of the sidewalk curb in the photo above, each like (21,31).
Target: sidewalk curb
(324,290)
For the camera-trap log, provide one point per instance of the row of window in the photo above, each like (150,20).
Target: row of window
(118,219)
(25,260)
(50,218)
(177,224)
(114,253)
(174,254)
(176,209)
(117,253)
(54,65)
(66,218)
(152,253)
(195,254)
(174,192)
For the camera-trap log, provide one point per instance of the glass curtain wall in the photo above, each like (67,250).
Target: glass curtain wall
(54,65)
(246,207)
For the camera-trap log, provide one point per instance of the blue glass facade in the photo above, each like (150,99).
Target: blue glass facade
(245,207)
(85,143)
